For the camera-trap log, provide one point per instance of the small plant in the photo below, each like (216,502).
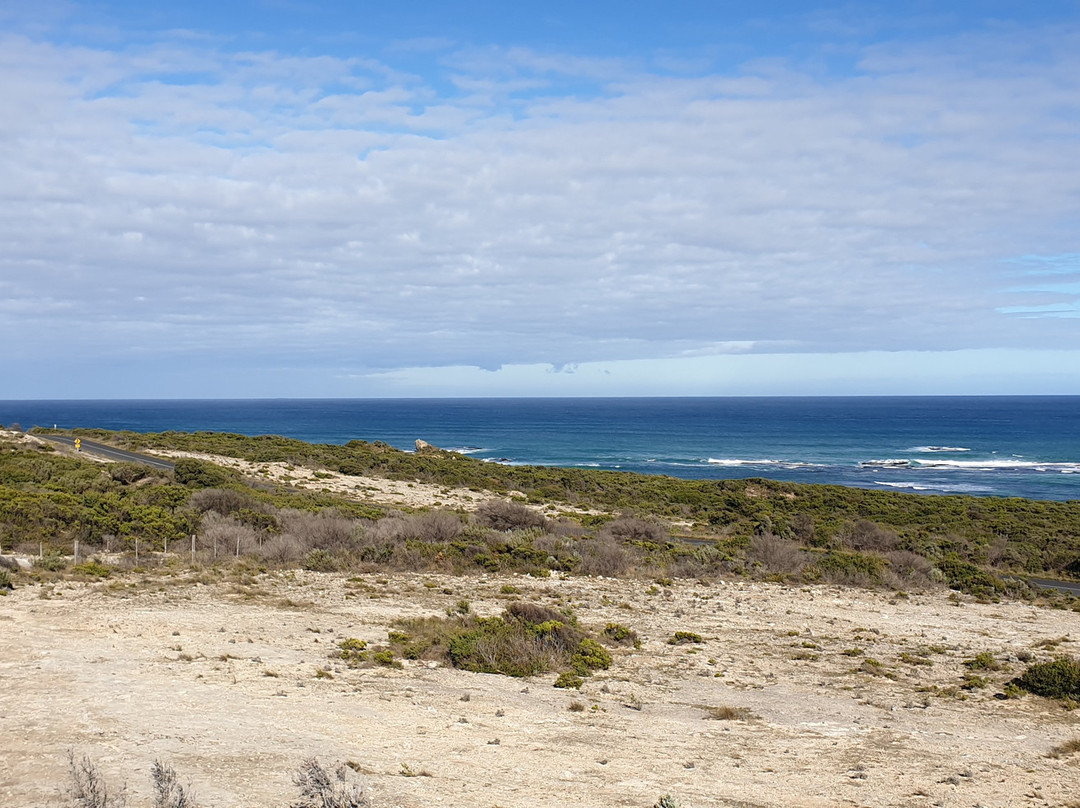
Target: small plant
(510,589)
(874,668)
(409,771)
(726,713)
(323,673)
(385,658)
(853,652)
(983,661)
(909,658)
(576,707)
(87,787)
(972,681)
(590,656)
(621,635)
(320,788)
(352,651)
(666,801)
(569,680)
(168,793)
(685,637)
(51,562)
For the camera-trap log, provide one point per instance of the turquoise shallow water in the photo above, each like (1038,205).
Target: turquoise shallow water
(989,446)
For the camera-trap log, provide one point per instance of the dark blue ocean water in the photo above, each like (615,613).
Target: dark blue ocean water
(993,446)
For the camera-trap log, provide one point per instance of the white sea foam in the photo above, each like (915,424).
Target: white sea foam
(938,449)
(784,464)
(959,488)
(466,450)
(1002,465)
(890,463)
(972,465)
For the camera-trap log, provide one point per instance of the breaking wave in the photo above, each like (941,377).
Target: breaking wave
(783,464)
(934,449)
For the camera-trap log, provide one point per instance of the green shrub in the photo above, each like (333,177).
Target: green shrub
(569,680)
(968,578)
(51,562)
(590,656)
(93,568)
(621,635)
(972,681)
(684,637)
(352,651)
(1059,679)
(201,474)
(5,580)
(319,560)
(384,658)
(983,661)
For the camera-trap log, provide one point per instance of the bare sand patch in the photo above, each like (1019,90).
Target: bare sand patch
(219,677)
(378,490)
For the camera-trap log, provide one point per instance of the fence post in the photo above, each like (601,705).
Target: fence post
(193,549)
(136,551)
(76,551)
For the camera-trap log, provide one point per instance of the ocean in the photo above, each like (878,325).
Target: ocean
(1025,446)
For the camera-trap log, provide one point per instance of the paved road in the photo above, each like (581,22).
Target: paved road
(101,450)
(1071,587)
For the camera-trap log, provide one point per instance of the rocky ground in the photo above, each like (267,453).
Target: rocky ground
(219,674)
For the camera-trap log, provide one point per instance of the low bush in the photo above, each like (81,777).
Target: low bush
(619,634)
(569,680)
(685,637)
(168,792)
(51,562)
(334,788)
(983,661)
(776,555)
(320,561)
(525,640)
(1059,679)
(93,568)
(501,515)
(727,713)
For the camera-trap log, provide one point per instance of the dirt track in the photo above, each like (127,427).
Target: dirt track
(220,679)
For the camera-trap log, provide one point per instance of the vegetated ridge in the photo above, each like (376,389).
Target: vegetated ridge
(610,523)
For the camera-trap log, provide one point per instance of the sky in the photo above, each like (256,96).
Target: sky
(292,198)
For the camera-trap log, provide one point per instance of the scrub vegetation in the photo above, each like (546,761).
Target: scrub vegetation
(609,523)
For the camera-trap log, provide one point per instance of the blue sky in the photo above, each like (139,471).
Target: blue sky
(293,198)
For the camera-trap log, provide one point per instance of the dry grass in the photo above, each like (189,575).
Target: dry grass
(1070,747)
(728,713)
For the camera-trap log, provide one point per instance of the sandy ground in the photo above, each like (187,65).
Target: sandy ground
(381,491)
(219,676)
(372,489)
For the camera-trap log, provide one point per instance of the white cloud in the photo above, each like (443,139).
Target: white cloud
(177,199)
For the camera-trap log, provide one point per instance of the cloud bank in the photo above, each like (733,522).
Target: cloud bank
(178,202)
